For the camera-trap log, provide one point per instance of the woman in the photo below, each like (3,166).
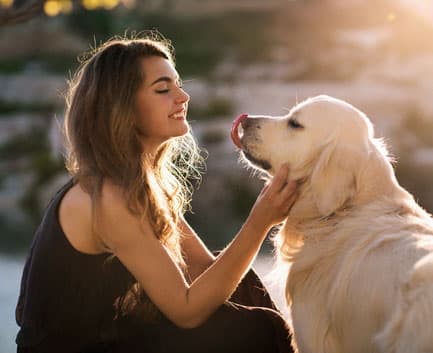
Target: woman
(114,266)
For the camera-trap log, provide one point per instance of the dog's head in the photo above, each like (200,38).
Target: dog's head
(326,142)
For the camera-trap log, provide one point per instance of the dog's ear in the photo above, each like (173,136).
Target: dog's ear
(333,181)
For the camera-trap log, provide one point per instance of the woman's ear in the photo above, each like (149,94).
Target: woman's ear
(333,181)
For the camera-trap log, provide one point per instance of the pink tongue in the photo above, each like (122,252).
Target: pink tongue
(235,129)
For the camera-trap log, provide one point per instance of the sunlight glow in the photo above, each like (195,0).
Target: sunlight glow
(128,3)
(109,4)
(94,4)
(56,7)
(391,17)
(6,3)
(67,6)
(90,4)
(52,7)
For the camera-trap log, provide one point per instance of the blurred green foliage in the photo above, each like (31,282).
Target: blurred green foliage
(53,63)
(212,137)
(15,238)
(243,198)
(99,23)
(34,148)
(239,34)
(8,107)
(214,108)
(45,168)
(200,42)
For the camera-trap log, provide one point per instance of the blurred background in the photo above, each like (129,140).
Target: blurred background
(235,56)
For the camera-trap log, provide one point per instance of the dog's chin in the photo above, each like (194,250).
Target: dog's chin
(259,163)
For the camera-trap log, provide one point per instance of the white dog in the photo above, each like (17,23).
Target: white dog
(360,249)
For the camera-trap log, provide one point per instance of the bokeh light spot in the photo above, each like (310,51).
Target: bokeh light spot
(67,6)
(109,4)
(52,7)
(90,4)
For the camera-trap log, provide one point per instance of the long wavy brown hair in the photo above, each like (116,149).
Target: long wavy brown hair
(102,138)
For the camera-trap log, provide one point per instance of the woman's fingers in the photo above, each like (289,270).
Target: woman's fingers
(276,199)
(291,198)
(284,191)
(280,179)
(289,190)
(286,197)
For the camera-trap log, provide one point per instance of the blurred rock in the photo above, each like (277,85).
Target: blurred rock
(13,188)
(18,124)
(423,157)
(48,190)
(39,88)
(48,36)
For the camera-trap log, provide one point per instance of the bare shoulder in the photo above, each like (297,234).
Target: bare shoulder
(111,192)
(116,224)
(75,217)
(112,204)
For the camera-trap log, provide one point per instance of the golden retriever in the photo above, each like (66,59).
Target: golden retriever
(360,249)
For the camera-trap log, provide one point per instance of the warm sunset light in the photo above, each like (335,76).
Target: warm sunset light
(128,3)
(52,7)
(109,4)
(67,6)
(391,17)
(6,3)
(91,4)
(423,7)
(94,4)
(55,7)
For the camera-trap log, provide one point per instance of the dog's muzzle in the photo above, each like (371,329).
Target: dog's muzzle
(242,120)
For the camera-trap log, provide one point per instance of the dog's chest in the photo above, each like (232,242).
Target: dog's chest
(310,312)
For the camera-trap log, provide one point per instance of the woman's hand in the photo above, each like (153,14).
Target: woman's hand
(275,200)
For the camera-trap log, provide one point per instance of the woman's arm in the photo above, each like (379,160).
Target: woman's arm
(189,305)
(197,256)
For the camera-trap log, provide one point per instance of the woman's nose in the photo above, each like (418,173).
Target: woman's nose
(183,96)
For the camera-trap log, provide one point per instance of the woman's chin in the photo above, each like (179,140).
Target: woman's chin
(184,127)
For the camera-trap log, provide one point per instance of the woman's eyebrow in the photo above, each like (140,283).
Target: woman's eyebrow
(164,79)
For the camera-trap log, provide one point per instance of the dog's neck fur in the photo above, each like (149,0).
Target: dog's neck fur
(375,181)
(377,192)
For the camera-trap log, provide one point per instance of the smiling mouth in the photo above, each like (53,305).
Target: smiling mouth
(258,162)
(178,116)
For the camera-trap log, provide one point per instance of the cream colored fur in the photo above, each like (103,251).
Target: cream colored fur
(359,247)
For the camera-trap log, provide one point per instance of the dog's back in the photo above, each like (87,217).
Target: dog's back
(410,328)
(364,283)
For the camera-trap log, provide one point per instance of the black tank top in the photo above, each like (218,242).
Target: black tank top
(74,302)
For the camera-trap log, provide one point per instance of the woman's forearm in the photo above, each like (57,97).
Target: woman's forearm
(195,269)
(197,256)
(217,283)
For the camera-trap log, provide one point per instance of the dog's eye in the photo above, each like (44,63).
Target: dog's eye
(295,124)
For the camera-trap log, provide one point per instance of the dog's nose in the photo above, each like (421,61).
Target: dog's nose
(245,123)
(249,123)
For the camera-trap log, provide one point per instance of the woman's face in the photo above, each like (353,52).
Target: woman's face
(161,103)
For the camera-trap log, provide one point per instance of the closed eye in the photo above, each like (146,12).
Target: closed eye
(293,123)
